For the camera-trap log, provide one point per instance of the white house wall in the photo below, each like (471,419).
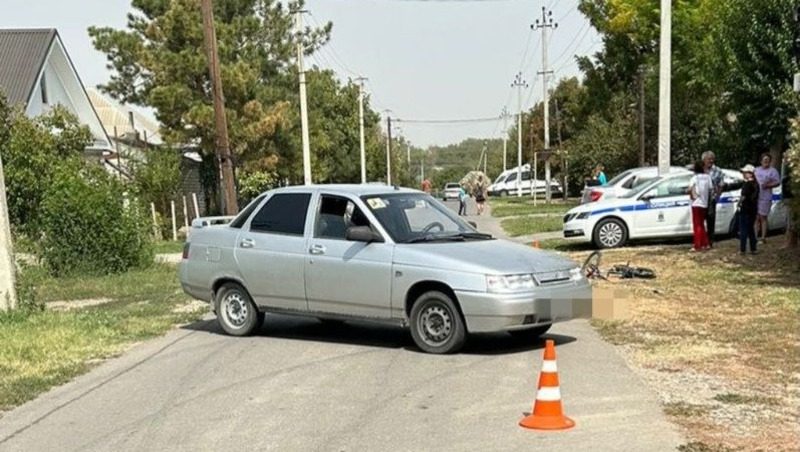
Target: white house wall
(64,88)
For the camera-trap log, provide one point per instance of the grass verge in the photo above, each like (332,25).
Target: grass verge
(712,328)
(518,226)
(507,207)
(168,247)
(48,348)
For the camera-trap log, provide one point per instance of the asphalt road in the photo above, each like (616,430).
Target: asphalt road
(300,385)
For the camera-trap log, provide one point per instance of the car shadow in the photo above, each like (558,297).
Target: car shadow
(378,335)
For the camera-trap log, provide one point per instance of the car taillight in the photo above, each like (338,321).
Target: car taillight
(595,195)
(186,250)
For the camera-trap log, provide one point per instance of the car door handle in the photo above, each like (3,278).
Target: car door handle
(317,249)
(247,243)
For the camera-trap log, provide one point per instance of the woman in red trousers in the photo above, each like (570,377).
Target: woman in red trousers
(700,191)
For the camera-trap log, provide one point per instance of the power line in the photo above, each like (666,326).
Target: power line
(447,121)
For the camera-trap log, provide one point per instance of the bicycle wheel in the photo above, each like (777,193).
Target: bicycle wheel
(591,266)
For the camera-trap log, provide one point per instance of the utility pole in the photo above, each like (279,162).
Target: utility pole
(8,293)
(388,150)
(665,88)
(485,156)
(303,101)
(546,22)
(360,81)
(519,83)
(641,117)
(222,145)
(504,114)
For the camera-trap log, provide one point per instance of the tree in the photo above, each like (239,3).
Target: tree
(158,61)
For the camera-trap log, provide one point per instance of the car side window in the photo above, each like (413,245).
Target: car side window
(673,187)
(240,219)
(335,215)
(526,175)
(512,177)
(629,183)
(282,214)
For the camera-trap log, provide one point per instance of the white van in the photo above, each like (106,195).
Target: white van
(506,183)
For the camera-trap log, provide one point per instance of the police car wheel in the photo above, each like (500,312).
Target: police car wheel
(610,233)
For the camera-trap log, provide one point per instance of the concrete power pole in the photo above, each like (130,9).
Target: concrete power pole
(519,83)
(546,22)
(665,88)
(222,145)
(8,293)
(303,101)
(388,150)
(641,117)
(504,115)
(360,81)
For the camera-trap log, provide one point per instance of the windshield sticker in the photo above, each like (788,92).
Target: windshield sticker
(421,204)
(376,203)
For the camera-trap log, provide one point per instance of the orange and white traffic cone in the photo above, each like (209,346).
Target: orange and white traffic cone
(547,412)
(535,244)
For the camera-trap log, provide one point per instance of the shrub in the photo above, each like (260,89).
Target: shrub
(88,225)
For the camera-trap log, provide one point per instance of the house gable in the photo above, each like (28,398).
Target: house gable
(54,81)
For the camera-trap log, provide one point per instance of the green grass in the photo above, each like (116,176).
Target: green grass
(565,245)
(168,247)
(683,409)
(507,207)
(49,348)
(517,226)
(741,399)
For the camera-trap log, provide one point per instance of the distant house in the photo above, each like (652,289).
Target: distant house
(133,134)
(37,73)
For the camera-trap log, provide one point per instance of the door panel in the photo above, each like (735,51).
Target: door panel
(668,213)
(271,252)
(345,277)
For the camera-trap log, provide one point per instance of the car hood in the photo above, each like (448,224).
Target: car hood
(481,256)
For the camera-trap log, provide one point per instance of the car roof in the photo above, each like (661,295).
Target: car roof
(345,189)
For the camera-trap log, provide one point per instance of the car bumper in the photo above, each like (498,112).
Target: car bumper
(489,312)
(579,230)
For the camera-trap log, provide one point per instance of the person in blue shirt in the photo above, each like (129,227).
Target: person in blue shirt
(599,175)
(462,201)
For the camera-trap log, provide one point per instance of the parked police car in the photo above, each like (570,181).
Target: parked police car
(660,208)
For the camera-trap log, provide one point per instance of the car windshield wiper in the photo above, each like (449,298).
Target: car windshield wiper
(474,235)
(434,238)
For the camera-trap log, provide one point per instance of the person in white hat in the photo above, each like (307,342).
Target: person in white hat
(748,210)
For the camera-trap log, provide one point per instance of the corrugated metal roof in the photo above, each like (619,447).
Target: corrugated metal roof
(114,115)
(22,54)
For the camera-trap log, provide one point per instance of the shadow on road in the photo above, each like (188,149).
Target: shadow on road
(372,335)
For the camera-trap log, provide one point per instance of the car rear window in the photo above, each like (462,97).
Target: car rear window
(283,214)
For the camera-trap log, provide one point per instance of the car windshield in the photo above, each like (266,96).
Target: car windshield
(619,177)
(500,178)
(640,189)
(418,217)
(452,185)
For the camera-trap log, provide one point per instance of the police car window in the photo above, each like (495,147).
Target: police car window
(673,187)
(619,177)
(641,180)
(629,183)
(512,177)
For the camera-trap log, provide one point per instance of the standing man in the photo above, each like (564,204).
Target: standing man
(717,185)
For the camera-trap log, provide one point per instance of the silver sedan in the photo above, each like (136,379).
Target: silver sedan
(377,253)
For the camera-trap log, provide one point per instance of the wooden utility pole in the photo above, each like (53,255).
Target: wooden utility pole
(222,146)
(8,293)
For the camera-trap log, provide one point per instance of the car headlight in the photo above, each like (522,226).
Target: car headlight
(576,274)
(510,283)
(583,216)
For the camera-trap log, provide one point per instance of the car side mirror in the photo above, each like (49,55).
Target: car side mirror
(362,234)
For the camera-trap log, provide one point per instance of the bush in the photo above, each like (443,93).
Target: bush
(89,227)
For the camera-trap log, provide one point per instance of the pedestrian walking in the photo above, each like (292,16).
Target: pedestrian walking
(786,197)
(699,192)
(767,178)
(426,186)
(717,186)
(747,210)
(462,200)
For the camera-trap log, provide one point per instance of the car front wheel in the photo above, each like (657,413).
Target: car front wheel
(436,324)
(236,312)
(610,233)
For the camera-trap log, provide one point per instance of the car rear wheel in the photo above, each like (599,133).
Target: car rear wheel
(436,324)
(503,194)
(610,233)
(236,312)
(530,333)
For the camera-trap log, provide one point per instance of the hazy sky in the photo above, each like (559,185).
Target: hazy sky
(424,59)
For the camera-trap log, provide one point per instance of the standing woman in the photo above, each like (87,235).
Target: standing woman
(748,208)
(699,191)
(599,175)
(767,178)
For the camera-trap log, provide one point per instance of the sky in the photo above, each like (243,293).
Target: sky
(424,60)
